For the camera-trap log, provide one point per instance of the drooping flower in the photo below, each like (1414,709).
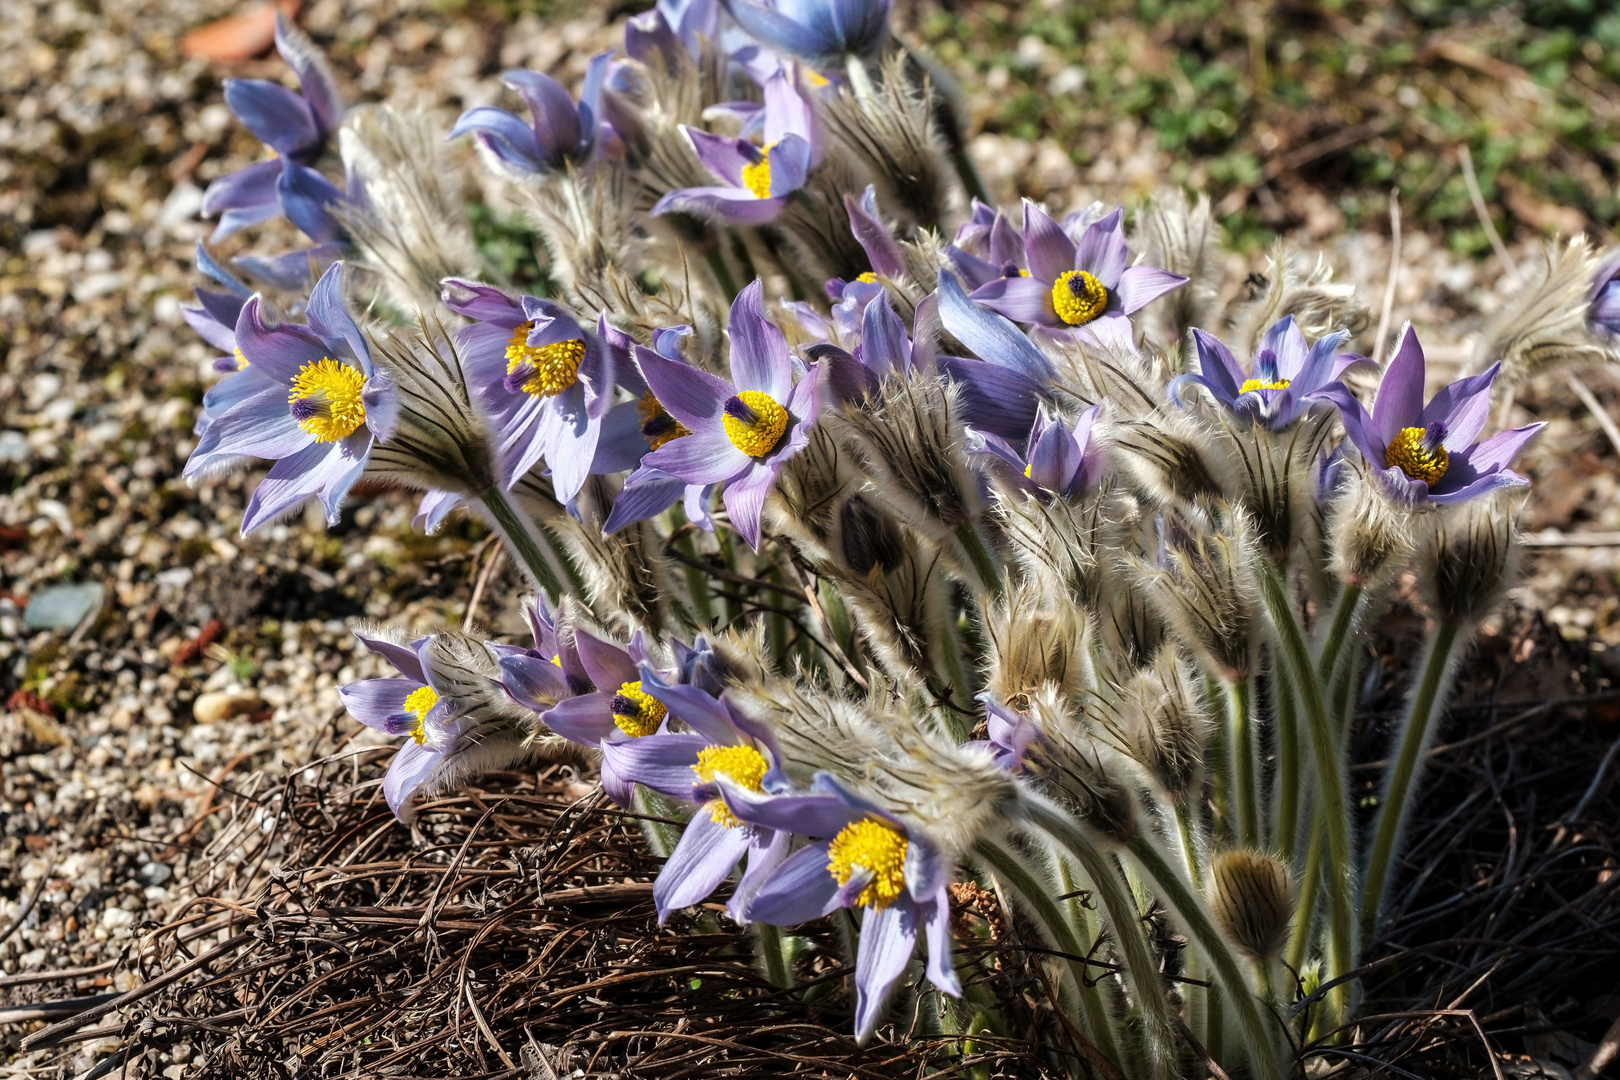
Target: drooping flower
(559,134)
(544,382)
(688,766)
(295,126)
(1062,458)
(824,31)
(449,709)
(316,414)
(757,180)
(1426,453)
(1275,388)
(740,432)
(859,856)
(1087,286)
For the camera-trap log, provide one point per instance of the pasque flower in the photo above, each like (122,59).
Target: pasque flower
(296,126)
(1603,304)
(1003,388)
(559,133)
(1427,453)
(757,180)
(317,406)
(544,382)
(1087,286)
(407,706)
(819,30)
(742,431)
(1062,458)
(859,856)
(687,766)
(1275,388)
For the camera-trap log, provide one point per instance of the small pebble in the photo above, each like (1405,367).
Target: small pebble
(222,705)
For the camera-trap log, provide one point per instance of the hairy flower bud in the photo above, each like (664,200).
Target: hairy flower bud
(1468,559)
(1035,644)
(1164,724)
(1182,238)
(1369,538)
(1252,898)
(1207,591)
(1543,326)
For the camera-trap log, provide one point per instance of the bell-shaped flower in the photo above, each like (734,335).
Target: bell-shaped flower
(316,413)
(824,31)
(1062,459)
(296,126)
(687,766)
(1087,286)
(559,132)
(740,432)
(1427,453)
(757,180)
(1275,388)
(408,706)
(859,856)
(544,382)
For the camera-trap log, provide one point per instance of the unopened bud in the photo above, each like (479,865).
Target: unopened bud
(1253,902)
(1468,560)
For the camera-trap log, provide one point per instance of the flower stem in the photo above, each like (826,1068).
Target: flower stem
(523,540)
(1414,743)
(771,955)
(1285,802)
(1333,813)
(1245,762)
(1310,886)
(1263,1057)
(1344,617)
(1126,919)
(978,552)
(722,273)
(1095,1019)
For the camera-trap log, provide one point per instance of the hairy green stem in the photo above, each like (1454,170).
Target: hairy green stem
(1414,744)
(1220,737)
(1244,749)
(772,956)
(1263,1057)
(979,554)
(1123,914)
(722,273)
(1095,1019)
(1333,812)
(523,539)
(1344,617)
(1285,802)
(1310,887)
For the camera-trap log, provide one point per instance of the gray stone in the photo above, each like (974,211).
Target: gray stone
(62,607)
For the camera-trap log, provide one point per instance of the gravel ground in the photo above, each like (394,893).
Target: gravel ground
(210,659)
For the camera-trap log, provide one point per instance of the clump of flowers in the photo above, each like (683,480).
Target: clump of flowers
(1042,630)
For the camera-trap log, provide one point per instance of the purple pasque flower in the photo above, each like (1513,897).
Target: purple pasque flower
(1086,286)
(859,856)
(316,407)
(757,180)
(1275,389)
(544,382)
(1603,299)
(672,29)
(589,691)
(407,706)
(742,431)
(559,133)
(1008,733)
(987,247)
(214,318)
(1002,390)
(824,31)
(296,126)
(1427,453)
(688,766)
(1061,459)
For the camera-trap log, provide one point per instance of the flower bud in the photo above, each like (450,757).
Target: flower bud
(1369,538)
(1468,559)
(1253,902)
(1164,724)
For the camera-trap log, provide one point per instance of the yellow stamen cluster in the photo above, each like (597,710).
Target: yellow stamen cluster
(742,765)
(756,176)
(418,703)
(656,424)
(241,361)
(1261,384)
(636,712)
(877,848)
(1078,297)
(867,278)
(760,436)
(1407,453)
(334,389)
(556,366)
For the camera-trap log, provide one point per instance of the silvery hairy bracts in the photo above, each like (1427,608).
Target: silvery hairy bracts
(1543,326)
